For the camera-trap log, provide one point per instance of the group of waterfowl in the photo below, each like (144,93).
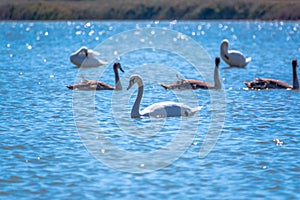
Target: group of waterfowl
(87,58)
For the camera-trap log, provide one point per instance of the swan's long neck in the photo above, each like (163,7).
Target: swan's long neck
(224,49)
(135,112)
(118,85)
(295,79)
(217,81)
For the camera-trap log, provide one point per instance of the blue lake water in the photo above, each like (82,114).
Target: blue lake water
(53,139)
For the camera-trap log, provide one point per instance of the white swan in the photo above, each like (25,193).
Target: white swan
(85,57)
(157,110)
(233,58)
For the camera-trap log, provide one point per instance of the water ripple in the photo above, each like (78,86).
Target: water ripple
(42,153)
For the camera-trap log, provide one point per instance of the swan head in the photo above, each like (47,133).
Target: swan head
(78,57)
(134,79)
(217,61)
(117,66)
(294,63)
(70,87)
(83,50)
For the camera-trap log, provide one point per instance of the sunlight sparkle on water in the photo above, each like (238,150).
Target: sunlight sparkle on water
(41,145)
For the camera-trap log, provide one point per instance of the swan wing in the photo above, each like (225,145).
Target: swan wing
(93,53)
(178,85)
(187,84)
(77,59)
(196,84)
(104,86)
(236,59)
(92,56)
(102,62)
(168,109)
(92,62)
(87,85)
(91,85)
(276,84)
(266,83)
(80,51)
(80,59)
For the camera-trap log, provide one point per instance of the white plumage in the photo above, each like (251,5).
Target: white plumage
(233,58)
(85,57)
(162,109)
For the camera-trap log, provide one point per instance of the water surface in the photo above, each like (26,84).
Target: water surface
(43,156)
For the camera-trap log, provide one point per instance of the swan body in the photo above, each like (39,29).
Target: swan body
(97,85)
(188,84)
(157,110)
(168,109)
(85,57)
(268,83)
(233,58)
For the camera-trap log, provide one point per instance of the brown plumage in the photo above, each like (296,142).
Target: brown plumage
(188,84)
(268,83)
(97,85)
(90,85)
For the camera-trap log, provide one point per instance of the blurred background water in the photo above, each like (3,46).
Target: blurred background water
(43,156)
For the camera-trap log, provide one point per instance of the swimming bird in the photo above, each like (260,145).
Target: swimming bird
(97,85)
(233,58)
(157,110)
(85,57)
(188,84)
(267,83)
(278,142)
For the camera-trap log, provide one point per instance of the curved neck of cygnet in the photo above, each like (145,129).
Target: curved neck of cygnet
(217,81)
(135,112)
(295,79)
(118,85)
